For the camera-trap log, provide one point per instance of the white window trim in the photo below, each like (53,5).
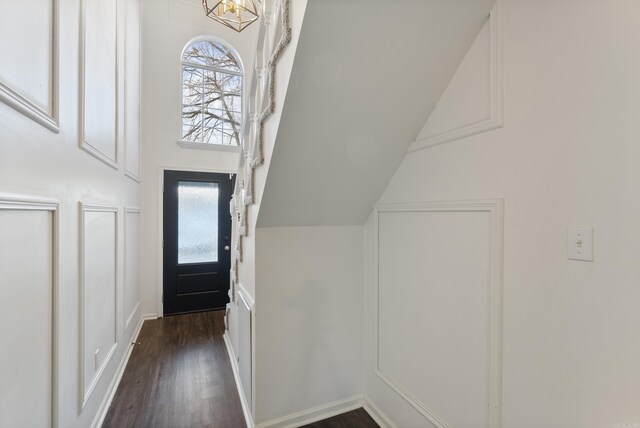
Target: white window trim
(208,146)
(212,146)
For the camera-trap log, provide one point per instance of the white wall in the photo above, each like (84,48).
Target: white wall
(41,249)
(309,318)
(271,126)
(168,25)
(242,334)
(567,155)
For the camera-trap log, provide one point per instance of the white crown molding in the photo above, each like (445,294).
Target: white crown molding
(84,144)
(495,208)
(496,91)
(36,203)
(87,392)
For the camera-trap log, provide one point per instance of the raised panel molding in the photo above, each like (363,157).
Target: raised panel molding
(496,91)
(90,146)
(29,108)
(88,390)
(127,250)
(494,207)
(132,170)
(246,306)
(31,203)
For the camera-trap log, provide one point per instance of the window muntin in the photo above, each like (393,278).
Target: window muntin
(211,95)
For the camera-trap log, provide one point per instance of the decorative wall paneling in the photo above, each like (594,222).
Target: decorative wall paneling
(243,369)
(246,313)
(29,82)
(262,105)
(495,83)
(29,270)
(98,294)
(131,295)
(132,90)
(461,284)
(99,80)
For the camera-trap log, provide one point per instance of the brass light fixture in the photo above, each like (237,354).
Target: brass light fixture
(235,14)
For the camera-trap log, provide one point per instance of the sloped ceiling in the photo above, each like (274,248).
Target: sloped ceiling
(366,76)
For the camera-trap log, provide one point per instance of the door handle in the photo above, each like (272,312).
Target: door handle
(226,248)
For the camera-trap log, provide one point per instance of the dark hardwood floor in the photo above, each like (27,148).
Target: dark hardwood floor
(356,419)
(178,375)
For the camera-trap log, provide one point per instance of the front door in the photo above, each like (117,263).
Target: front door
(197,240)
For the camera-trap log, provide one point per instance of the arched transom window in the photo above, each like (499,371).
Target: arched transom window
(211,94)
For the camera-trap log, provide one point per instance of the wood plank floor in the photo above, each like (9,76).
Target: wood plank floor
(178,375)
(356,419)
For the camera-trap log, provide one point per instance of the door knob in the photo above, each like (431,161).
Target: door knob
(226,248)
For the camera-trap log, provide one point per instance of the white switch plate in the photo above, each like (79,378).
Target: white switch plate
(580,243)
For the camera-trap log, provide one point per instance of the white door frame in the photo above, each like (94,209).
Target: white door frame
(160,207)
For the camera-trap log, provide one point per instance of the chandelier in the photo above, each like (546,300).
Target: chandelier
(235,14)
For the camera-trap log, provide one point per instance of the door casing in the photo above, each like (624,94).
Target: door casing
(160,225)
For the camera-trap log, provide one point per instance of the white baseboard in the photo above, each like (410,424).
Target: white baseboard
(113,387)
(315,414)
(377,414)
(236,375)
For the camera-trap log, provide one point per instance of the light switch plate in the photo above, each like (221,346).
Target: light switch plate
(580,243)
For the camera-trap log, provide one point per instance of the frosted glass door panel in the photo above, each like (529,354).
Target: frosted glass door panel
(197,222)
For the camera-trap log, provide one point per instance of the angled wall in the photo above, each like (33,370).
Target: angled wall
(329,164)
(566,338)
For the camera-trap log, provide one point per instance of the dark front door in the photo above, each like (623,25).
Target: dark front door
(197,240)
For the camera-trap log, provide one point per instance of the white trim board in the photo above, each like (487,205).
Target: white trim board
(113,387)
(86,393)
(128,319)
(35,203)
(246,299)
(315,414)
(84,144)
(495,208)
(125,104)
(377,414)
(207,146)
(15,100)
(236,375)
(496,91)
(244,101)
(296,419)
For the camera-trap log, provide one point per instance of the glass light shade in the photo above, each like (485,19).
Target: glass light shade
(235,14)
